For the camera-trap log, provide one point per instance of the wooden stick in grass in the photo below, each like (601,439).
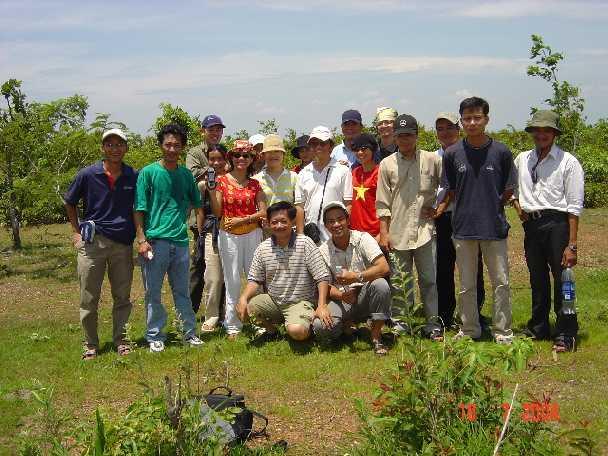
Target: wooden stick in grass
(504,427)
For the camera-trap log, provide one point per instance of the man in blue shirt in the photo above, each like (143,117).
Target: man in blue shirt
(107,190)
(352,125)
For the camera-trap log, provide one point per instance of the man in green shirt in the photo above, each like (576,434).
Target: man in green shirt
(164,195)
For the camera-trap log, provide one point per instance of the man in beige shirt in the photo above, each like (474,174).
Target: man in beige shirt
(407,185)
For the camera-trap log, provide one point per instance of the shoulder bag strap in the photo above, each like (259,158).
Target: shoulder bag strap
(323,195)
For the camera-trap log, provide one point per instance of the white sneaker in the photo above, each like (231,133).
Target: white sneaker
(157,346)
(503,340)
(194,341)
(460,335)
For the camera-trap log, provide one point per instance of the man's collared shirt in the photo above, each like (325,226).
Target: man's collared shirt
(291,274)
(281,189)
(560,182)
(110,208)
(197,161)
(359,255)
(343,153)
(309,190)
(404,188)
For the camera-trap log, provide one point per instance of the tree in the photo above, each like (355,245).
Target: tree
(268,127)
(566,99)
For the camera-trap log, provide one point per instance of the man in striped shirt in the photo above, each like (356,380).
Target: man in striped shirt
(291,268)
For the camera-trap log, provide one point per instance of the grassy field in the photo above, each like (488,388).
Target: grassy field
(307,392)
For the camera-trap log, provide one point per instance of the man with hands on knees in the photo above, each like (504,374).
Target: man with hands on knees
(291,269)
(358,292)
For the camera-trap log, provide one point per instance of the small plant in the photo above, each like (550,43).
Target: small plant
(403,284)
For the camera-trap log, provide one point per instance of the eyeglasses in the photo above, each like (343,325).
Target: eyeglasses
(239,155)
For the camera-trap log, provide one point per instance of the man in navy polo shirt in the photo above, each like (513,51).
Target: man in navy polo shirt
(107,190)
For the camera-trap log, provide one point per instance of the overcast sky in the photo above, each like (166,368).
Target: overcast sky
(301,62)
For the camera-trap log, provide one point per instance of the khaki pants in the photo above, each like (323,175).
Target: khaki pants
(496,259)
(426,266)
(214,280)
(92,261)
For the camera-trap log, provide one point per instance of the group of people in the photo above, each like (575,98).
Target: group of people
(313,248)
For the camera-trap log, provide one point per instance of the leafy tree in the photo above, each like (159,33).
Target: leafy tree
(270,126)
(175,114)
(566,99)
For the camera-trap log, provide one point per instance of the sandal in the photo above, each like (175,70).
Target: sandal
(89,354)
(207,328)
(563,344)
(123,349)
(380,349)
(436,335)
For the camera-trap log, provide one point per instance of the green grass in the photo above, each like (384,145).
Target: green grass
(307,392)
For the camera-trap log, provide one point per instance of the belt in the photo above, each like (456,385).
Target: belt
(535,215)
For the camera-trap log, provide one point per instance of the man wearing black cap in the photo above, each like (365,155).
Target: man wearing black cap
(407,187)
(302,152)
(212,129)
(352,125)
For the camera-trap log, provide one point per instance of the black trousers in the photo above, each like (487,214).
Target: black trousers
(446,263)
(544,243)
(197,270)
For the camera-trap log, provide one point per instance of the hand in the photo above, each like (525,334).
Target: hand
(241,309)
(231,222)
(568,258)
(350,296)
(76,239)
(427,213)
(344,162)
(144,248)
(523,216)
(439,211)
(322,313)
(385,242)
(347,277)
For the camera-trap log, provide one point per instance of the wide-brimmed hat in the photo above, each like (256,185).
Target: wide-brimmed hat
(383,113)
(544,118)
(273,143)
(301,142)
(241,145)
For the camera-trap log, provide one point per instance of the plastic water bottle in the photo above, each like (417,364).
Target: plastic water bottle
(568,292)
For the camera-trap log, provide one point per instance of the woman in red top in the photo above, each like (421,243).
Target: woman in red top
(363,215)
(241,204)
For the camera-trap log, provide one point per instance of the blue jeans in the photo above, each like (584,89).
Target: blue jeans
(173,260)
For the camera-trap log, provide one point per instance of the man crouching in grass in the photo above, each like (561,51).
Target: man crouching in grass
(291,268)
(359,291)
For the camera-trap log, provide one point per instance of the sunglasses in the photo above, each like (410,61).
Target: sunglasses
(241,155)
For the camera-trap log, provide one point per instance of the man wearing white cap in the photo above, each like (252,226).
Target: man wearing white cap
(103,238)
(257,141)
(322,181)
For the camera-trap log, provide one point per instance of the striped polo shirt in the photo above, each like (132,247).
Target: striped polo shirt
(291,273)
(281,189)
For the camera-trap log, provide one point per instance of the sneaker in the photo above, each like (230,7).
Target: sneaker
(194,341)
(157,346)
(400,328)
(503,340)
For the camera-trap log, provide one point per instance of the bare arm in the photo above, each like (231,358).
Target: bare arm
(443,205)
(140,235)
(385,224)
(378,269)
(569,257)
(72,213)
(299,219)
(215,198)
(200,219)
(249,292)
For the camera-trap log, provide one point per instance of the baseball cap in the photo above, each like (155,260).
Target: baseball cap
(322,133)
(211,120)
(351,115)
(544,118)
(241,145)
(450,116)
(256,139)
(406,124)
(364,140)
(383,113)
(333,205)
(116,132)
(273,143)
(301,141)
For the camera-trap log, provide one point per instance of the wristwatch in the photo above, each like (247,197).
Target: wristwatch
(572,247)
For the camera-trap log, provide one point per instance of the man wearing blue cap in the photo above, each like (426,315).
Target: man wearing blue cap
(212,129)
(352,125)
